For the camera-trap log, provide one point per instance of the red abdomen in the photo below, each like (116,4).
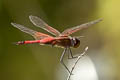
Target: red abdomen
(48,40)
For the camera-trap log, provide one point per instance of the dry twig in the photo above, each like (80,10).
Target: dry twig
(79,57)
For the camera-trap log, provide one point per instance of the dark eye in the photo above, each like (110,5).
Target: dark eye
(77,43)
(74,39)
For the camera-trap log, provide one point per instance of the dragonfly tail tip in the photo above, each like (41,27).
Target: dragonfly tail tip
(18,43)
(15,43)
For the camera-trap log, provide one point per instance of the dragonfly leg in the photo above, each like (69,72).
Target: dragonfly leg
(61,60)
(71,54)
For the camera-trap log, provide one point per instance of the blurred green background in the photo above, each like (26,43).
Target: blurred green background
(34,62)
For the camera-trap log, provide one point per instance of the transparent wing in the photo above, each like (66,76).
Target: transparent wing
(69,31)
(40,23)
(35,34)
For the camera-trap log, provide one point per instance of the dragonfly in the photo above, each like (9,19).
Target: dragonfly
(63,40)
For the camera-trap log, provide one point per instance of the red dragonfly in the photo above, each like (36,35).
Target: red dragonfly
(63,39)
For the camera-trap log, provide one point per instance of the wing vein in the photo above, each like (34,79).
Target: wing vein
(69,31)
(40,23)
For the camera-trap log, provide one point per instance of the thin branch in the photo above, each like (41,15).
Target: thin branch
(79,57)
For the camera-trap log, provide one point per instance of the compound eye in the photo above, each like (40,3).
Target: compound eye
(74,40)
(77,44)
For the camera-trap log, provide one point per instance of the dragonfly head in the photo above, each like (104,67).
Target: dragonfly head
(76,42)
